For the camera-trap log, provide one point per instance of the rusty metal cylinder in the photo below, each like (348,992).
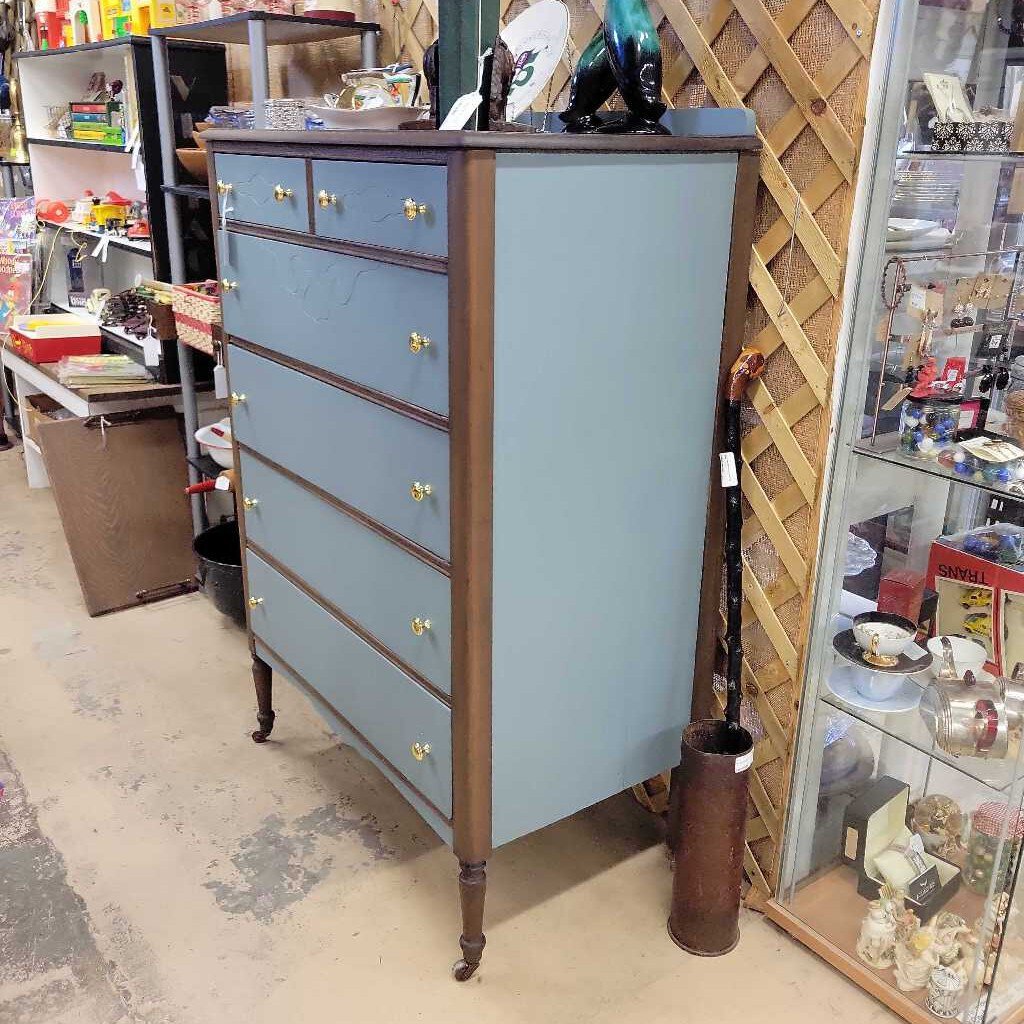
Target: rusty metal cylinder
(708,831)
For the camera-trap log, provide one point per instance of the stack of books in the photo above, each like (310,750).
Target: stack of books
(98,122)
(106,371)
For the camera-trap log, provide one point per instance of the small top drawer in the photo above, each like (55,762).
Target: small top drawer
(263,190)
(397,206)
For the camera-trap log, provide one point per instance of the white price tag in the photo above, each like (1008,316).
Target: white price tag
(151,350)
(220,381)
(744,762)
(729,476)
(462,110)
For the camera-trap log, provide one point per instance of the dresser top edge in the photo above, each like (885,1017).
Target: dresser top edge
(310,142)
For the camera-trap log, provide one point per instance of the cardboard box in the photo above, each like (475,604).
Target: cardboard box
(873,821)
(40,409)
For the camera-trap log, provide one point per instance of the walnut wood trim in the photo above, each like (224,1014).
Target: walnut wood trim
(315,694)
(377,253)
(703,702)
(410,546)
(346,620)
(429,146)
(310,200)
(413,412)
(471,382)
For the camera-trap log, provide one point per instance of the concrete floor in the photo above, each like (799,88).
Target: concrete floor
(157,866)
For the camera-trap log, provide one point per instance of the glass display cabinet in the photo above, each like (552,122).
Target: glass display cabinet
(906,816)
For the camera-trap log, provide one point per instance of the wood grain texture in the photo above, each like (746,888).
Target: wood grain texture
(120,494)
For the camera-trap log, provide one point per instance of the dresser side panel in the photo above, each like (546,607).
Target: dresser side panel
(610,284)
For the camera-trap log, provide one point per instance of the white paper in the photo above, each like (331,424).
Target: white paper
(220,381)
(744,762)
(100,252)
(729,476)
(151,350)
(462,110)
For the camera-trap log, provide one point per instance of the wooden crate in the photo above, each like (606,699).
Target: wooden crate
(802,66)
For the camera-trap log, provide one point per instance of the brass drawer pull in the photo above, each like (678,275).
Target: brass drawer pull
(281,193)
(420,750)
(420,491)
(250,503)
(417,343)
(413,209)
(420,626)
(237,399)
(325,198)
(224,187)
(255,602)
(228,286)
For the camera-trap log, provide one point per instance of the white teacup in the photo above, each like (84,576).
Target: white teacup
(878,685)
(968,655)
(883,636)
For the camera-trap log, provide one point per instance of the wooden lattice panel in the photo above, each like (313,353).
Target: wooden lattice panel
(801,65)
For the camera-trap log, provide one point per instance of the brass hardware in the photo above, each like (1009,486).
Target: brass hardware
(255,602)
(420,491)
(420,626)
(250,502)
(414,209)
(228,286)
(325,198)
(224,187)
(236,399)
(417,343)
(420,750)
(281,193)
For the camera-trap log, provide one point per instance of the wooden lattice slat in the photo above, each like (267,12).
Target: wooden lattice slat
(801,66)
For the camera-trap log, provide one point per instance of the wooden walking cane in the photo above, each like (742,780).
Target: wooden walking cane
(711,781)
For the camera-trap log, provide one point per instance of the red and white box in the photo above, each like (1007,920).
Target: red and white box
(48,337)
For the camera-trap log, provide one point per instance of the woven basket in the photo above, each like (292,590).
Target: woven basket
(198,316)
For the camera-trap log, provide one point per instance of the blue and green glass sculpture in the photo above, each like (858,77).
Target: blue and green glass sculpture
(625,54)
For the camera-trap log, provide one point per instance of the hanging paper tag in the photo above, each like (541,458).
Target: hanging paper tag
(223,237)
(151,350)
(222,483)
(101,248)
(744,762)
(220,381)
(728,461)
(462,110)
(896,399)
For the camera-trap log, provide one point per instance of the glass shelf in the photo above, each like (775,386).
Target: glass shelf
(931,154)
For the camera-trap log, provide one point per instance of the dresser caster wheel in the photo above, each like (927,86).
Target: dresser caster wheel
(463,971)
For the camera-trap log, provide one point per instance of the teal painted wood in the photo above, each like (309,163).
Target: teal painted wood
(375,698)
(375,582)
(253,179)
(371,204)
(604,396)
(360,452)
(347,736)
(347,315)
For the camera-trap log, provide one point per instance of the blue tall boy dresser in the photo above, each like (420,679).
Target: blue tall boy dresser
(475,382)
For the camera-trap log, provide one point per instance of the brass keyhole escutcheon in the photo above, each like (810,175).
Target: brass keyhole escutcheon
(420,491)
(228,286)
(281,193)
(420,626)
(250,503)
(224,187)
(417,343)
(420,750)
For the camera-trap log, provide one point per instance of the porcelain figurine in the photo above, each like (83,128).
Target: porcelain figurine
(945,992)
(877,937)
(905,921)
(625,52)
(915,960)
(949,930)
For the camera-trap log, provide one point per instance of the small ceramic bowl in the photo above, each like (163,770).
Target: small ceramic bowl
(883,635)
(878,685)
(968,655)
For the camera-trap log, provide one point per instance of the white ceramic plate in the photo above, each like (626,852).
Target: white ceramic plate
(537,38)
(900,229)
(841,683)
(937,238)
(379,117)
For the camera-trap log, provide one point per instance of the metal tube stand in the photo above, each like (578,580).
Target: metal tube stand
(259,70)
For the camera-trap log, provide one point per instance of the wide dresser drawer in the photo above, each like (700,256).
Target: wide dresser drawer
(400,601)
(397,206)
(263,190)
(380,702)
(388,466)
(374,323)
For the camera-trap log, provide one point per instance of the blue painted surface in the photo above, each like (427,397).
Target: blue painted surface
(370,206)
(345,734)
(377,699)
(375,582)
(347,315)
(605,385)
(252,198)
(360,452)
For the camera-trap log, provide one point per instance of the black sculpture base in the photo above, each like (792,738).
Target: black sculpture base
(632,124)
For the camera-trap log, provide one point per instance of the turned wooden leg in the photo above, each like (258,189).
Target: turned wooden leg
(472,889)
(263,677)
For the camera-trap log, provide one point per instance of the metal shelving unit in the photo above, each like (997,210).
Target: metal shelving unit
(259,30)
